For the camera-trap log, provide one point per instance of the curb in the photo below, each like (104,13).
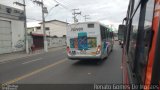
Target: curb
(30,55)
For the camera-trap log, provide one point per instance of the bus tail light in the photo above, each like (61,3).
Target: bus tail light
(98,49)
(68,49)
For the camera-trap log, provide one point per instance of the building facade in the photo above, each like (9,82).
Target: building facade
(52,27)
(55,32)
(11,29)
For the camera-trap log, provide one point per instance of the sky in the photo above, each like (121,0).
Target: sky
(109,12)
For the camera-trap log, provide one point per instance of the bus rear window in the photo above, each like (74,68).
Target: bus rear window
(90,25)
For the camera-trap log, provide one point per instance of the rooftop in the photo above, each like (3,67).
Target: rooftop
(33,24)
(54,21)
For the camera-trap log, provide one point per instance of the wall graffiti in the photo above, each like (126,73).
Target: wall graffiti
(19,44)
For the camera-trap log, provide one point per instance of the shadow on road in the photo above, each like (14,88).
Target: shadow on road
(91,62)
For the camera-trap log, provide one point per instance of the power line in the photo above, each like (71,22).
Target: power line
(51,10)
(63,5)
(33,19)
(75,19)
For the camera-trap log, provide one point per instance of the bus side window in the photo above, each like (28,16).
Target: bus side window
(133,38)
(140,39)
(110,35)
(159,76)
(103,34)
(106,33)
(148,33)
(147,42)
(132,51)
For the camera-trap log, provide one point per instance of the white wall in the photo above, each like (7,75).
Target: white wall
(18,35)
(56,42)
(17,28)
(56,28)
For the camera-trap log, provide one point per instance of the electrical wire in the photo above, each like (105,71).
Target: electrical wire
(63,5)
(33,19)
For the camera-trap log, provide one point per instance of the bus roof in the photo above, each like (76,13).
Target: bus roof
(96,22)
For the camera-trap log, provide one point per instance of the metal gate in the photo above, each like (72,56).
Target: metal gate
(5,37)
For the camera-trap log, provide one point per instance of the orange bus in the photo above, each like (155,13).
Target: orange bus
(141,50)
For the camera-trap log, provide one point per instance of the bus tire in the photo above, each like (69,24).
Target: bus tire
(99,61)
(122,46)
(112,49)
(107,52)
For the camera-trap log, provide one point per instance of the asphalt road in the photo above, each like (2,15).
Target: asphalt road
(55,68)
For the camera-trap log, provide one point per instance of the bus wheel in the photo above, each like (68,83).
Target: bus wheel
(99,61)
(107,52)
(122,46)
(112,49)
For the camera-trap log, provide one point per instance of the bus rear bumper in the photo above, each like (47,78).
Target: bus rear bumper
(84,58)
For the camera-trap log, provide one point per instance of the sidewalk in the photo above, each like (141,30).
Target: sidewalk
(22,54)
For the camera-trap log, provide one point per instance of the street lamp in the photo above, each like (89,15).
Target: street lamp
(51,9)
(44,10)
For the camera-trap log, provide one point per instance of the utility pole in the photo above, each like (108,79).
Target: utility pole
(25,23)
(51,9)
(75,15)
(86,17)
(112,26)
(44,10)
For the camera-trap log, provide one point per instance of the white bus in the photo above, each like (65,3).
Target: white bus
(88,40)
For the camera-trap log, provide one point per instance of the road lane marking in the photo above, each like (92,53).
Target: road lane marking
(15,59)
(32,61)
(35,72)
